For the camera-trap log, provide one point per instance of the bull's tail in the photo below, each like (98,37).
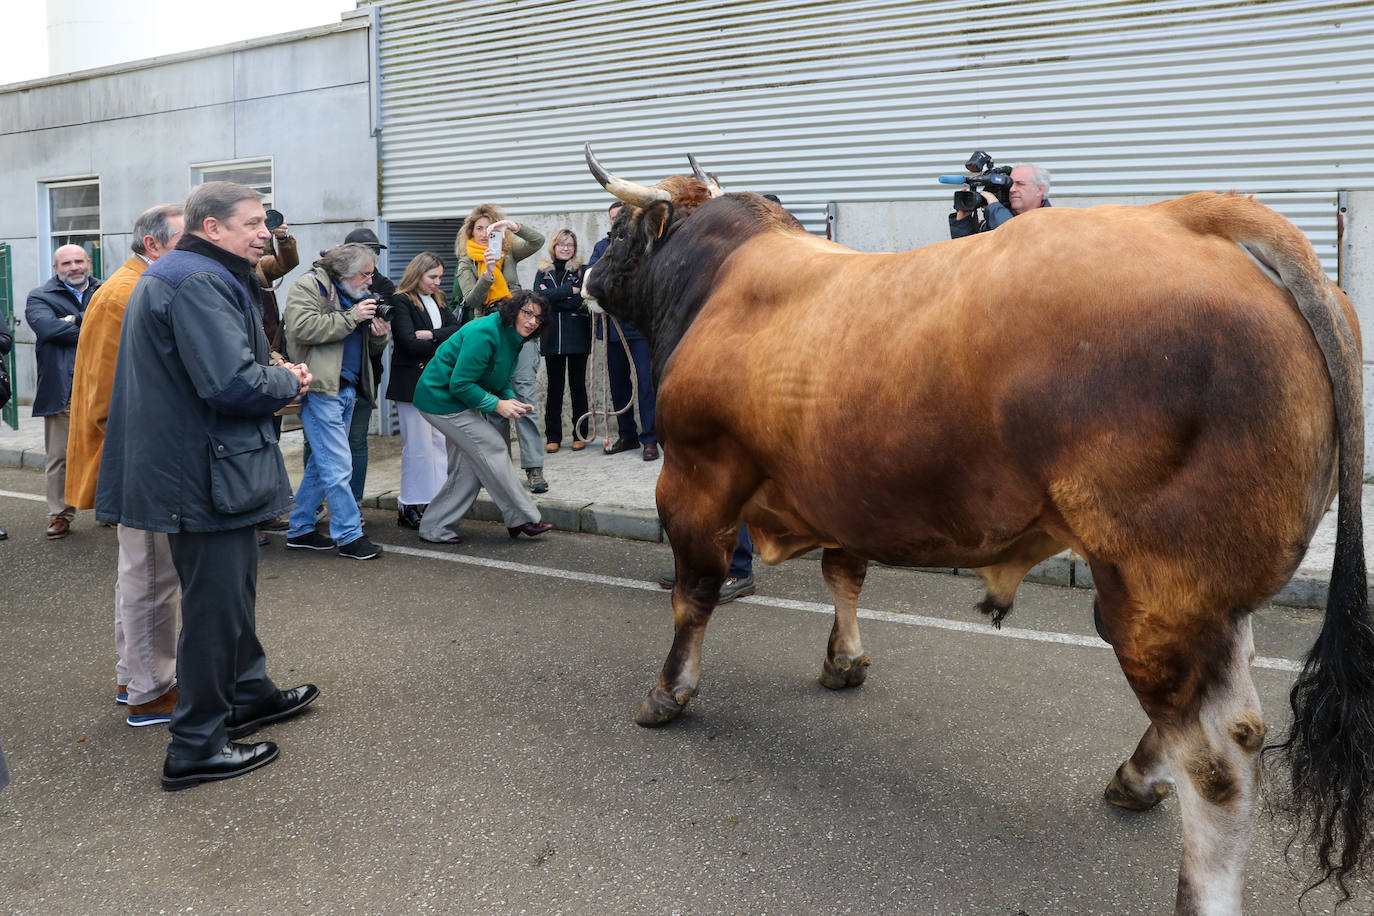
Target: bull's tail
(1330,748)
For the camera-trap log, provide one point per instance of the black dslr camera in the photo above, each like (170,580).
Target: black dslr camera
(983,176)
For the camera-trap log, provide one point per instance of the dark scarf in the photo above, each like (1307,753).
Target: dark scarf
(239,267)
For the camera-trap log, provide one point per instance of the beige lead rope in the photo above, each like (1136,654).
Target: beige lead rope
(598,368)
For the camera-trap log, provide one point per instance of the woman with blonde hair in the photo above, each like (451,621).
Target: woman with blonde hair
(568,338)
(420,322)
(486,274)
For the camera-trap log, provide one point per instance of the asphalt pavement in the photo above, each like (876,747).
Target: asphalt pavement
(474,750)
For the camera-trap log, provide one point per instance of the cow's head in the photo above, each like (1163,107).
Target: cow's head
(651,214)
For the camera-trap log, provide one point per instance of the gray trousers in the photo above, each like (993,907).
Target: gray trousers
(55,429)
(147,607)
(220,663)
(522,382)
(478,456)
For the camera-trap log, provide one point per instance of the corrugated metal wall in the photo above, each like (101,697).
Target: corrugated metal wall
(870,99)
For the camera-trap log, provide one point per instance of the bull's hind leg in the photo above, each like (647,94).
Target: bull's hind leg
(1207,726)
(1145,780)
(846,663)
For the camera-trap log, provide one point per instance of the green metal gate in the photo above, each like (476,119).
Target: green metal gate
(11,412)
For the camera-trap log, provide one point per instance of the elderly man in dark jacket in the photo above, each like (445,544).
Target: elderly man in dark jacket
(189,450)
(54,311)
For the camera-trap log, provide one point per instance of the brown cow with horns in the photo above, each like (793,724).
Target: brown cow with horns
(1173,391)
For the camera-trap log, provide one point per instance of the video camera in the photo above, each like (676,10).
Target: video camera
(984,175)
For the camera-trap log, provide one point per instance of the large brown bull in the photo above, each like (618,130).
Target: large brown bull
(1173,391)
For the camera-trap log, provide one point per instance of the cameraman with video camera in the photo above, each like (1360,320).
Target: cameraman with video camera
(1000,192)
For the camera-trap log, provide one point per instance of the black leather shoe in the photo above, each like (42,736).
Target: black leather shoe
(529,529)
(232,760)
(408,516)
(622,445)
(284,705)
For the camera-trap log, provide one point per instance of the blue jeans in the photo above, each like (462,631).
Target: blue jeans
(329,469)
(357,446)
(742,560)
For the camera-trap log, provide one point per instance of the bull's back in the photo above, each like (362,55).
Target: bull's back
(1074,370)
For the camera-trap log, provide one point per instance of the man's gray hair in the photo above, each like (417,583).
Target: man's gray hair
(215,200)
(157,222)
(345,260)
(1040,177)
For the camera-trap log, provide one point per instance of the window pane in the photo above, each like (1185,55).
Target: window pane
(257,175)
(76,208)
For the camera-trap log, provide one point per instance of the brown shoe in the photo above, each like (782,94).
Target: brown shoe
(59,526)
(280,523)
(621,445)
(651,452)
(154,712)
(551,447)
(579,444)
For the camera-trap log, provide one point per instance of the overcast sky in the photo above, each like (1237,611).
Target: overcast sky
(102,32)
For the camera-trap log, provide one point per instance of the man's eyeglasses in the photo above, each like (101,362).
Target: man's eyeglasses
(531,313)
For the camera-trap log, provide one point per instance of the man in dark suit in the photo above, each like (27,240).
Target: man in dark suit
(623,387)
(54,311)
(189,451)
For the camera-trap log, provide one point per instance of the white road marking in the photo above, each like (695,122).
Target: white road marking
(911,620)
(31,497)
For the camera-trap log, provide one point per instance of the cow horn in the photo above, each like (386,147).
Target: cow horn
(709,180)
(637,194)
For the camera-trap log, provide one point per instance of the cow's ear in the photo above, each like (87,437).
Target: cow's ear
(658,217)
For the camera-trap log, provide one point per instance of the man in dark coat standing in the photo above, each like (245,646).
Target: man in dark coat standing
(190,451)
(54,311)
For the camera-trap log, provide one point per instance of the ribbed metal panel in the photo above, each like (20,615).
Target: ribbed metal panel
(871,99)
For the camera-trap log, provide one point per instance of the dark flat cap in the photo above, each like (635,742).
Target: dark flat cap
(364,237)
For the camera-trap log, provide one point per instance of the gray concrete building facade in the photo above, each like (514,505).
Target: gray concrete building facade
(85,153)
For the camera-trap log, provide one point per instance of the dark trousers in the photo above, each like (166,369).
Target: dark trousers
(618,368)
(221,667)
(573,366)
(742,560)
(357,446)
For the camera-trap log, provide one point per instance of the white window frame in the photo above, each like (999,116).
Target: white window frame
(199,170)
(49,235)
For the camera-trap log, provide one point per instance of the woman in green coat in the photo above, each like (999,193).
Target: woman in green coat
(464,392)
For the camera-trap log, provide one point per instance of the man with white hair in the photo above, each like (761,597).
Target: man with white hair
(331,323)
(1030,187)
(55,311)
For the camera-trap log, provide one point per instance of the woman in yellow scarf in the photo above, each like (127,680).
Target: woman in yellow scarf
(485,275)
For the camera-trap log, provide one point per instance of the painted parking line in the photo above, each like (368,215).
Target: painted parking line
(912,620)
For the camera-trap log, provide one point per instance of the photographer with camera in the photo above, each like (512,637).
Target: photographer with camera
(332,323)
(1004,192)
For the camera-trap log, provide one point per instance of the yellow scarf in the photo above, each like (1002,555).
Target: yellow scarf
(499,289)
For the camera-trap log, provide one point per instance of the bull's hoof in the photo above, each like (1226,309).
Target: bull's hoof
(1117,793)
(844,672)
(661,707)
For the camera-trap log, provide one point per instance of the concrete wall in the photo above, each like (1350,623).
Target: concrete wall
(301,98)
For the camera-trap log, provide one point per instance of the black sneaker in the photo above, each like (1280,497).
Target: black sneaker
(360,548)
(311,540)
(735,588)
